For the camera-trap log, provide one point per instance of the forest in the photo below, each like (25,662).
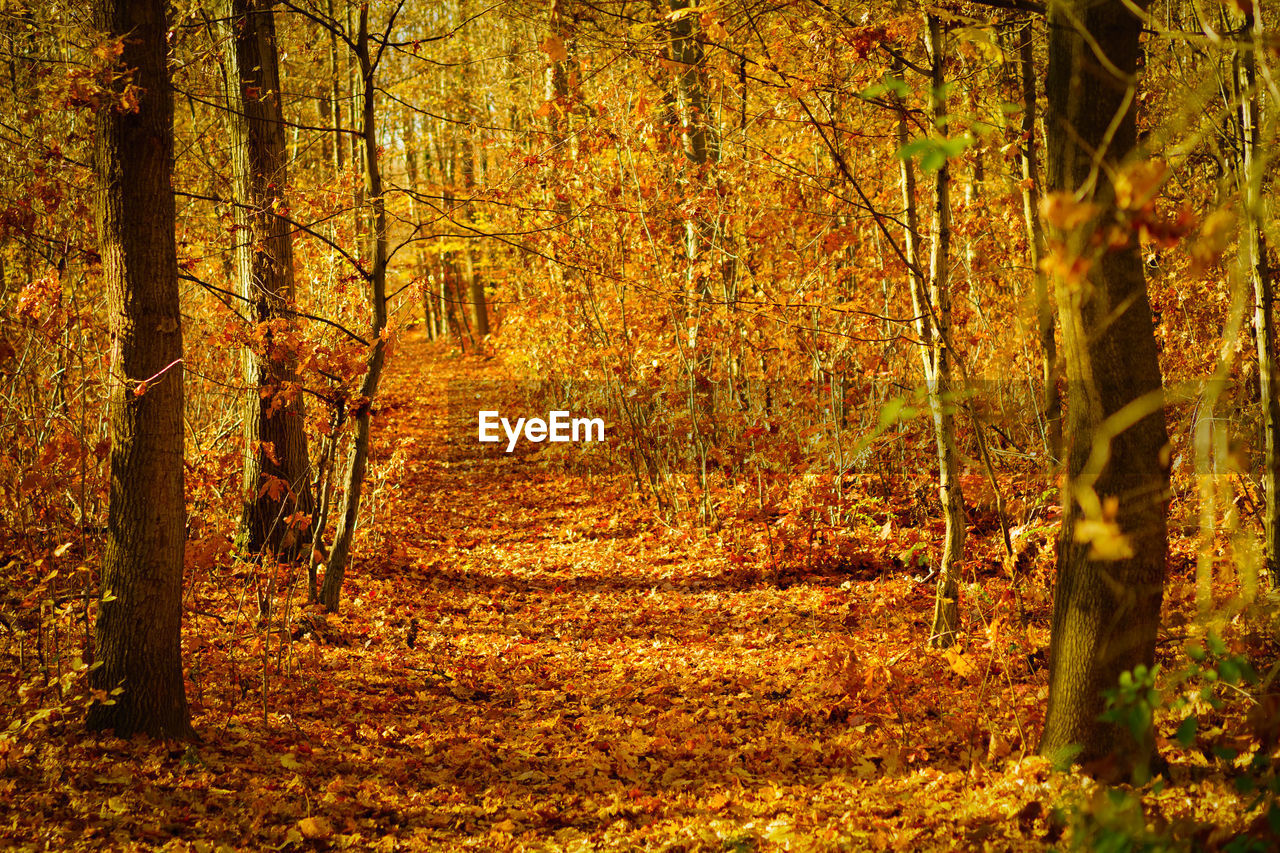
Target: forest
(682,425)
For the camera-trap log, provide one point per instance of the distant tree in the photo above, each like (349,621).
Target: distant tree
(1114,538)
(1051,401)
(137,640)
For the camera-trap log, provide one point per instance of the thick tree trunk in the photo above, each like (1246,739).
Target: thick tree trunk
(274,427)
(137,639)
(339,554)
(1111,554)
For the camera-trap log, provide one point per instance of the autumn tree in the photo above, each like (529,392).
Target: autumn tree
(932,307)
(368,53)
(1029,160)
(137,642)
(1252,174)
(277,469)
(1112,548)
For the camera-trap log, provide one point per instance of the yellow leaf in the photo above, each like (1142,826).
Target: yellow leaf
(960,663)
(315,828)
(1062,211)
(1138,183)
(289,761)
(1106,542)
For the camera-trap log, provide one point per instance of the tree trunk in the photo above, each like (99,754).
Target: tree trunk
(339,554)
(475,283)
(1111,554)
(335,82)
(934,311)
(274,426)
(411,147)
(137,639)
(698,137)
(1253,254)
(701,150)
(1051,402)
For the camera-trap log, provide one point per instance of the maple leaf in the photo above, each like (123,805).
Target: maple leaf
(273,487)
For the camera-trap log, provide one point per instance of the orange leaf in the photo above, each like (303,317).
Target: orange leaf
(554,48)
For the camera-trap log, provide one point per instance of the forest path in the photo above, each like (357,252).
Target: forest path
(554,664)
(526,659)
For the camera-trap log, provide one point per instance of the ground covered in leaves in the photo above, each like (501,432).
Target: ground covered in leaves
(528,658)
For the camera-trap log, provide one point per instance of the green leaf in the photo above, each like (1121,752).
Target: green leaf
(957,145)
(1187,731)
(915,148)
(1229,670)
(1063,757)
(887,84)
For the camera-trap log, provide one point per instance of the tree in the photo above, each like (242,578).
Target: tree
(277,469)
(1107,597)
(931,306)
(934,310)
(358,463)
(137,638)
(1051,402)
(1253,253)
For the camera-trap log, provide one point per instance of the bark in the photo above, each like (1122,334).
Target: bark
(475,282)
(560,98)
(1051,401)
(698,137)
(934,310)
(339,139)
(701,151)
(339,554)
(274,426)
(1254,257)
(669,136)
(411,147)
(1114,539)
(137,638)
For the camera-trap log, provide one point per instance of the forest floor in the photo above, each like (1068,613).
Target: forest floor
(527,659)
